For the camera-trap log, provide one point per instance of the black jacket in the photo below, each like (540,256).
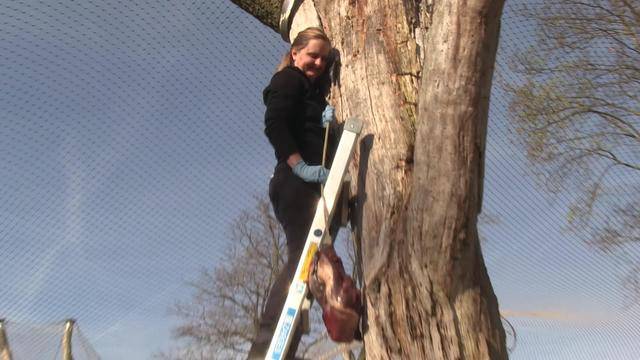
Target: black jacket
(293,119)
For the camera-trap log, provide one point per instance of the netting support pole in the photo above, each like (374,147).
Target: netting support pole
(66,339)
(5,352)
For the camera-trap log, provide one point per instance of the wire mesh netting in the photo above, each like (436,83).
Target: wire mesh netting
(131,137)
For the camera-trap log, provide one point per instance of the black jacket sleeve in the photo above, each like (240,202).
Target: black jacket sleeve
(283,97)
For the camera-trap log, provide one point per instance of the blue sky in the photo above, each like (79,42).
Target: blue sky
(131,136)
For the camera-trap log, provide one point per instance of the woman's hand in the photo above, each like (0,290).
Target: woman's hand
(311,173)
(328,115)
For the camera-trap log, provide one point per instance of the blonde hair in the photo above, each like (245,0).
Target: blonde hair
(300,42)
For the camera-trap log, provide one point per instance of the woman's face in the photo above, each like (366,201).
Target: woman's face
(312,59)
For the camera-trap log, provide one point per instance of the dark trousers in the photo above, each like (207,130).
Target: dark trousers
(294,204)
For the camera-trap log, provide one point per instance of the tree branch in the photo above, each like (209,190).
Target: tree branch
(266,11)
(607,155)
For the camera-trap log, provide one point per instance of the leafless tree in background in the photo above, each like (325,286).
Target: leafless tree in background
(221,318)
(578,113)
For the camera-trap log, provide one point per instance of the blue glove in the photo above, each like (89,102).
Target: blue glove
(328,115)
(309,173)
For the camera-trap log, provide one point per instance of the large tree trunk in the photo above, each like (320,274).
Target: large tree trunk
(418,73)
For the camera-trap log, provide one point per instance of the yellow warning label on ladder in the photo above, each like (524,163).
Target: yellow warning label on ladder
(304,274)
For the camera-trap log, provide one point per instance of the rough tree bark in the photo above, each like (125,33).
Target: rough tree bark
(418,73)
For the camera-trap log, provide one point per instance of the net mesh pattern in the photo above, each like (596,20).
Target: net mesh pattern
(131,136)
